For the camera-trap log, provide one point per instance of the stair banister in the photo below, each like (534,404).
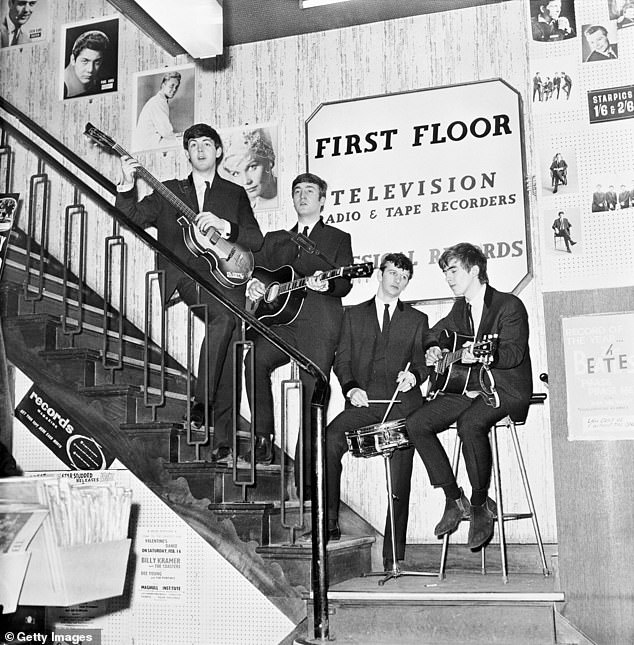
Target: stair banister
(320,395)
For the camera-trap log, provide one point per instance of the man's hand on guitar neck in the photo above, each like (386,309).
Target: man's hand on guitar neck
(315,283)
(468,357)
(129,166)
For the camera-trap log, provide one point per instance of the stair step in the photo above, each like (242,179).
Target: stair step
(463,608)
(347,558)
(157,439)
(215,482)
(126,402)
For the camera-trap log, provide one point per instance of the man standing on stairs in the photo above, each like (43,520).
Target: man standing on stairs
(479,310)
(380,338)
(220,205)
(310,247)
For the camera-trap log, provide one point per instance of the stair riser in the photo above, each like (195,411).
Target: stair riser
(343,563)
(438,624)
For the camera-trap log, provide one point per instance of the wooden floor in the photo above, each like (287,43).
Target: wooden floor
(460,586)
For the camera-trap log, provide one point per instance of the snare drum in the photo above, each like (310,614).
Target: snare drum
(377,438)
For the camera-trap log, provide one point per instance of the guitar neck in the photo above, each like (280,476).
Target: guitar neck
(301,282)
(166,193)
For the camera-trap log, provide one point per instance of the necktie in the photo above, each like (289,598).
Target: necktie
(470,316)
(305,231)
(16,37)
(385,329)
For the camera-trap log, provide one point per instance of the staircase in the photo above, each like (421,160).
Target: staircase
(237,511)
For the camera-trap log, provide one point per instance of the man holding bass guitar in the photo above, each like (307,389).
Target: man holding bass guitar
(495,384)
(223,215)
(310,248)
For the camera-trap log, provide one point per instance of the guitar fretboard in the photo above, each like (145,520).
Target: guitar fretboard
(301,282)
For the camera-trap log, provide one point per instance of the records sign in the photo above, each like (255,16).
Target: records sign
(613,104)
(419,171)
(63,435)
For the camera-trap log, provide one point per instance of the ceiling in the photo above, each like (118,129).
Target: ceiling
(247,21)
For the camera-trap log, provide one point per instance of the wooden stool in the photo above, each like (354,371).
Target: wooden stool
(507,422)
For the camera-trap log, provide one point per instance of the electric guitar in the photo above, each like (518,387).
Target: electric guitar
(449,375)
(285,293)
(230,264)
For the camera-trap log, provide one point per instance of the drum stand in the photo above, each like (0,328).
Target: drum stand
(396,571)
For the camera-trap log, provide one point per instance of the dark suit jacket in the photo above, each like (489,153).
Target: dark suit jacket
(323,310)
(356,350)
(562,226)
(226,200)
(503,314)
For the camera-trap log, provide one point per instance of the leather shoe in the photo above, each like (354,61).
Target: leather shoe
(456,510)
(197,415)
(264,450)
(481,524)
(333,533)
(388,564)
(222,455)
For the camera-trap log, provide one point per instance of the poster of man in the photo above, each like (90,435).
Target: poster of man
(24,22)
(250,155)
(90,56)
(163,107)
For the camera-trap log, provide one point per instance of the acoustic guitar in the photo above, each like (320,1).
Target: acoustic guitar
(229,263)
(452,376)
(285,293)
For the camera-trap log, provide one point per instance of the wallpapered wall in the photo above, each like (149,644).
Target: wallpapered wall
(283,82)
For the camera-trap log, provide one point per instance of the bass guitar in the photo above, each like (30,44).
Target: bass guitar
(285,293)
(449,375)
(230,264)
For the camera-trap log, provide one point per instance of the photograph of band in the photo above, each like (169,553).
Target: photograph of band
(554,83)
(163,107)
(90,55)
(24,22)
(612,192)
(622,11)
(250,161)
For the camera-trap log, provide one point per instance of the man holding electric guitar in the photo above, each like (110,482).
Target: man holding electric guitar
(492,379)
(310,248)
(208,223)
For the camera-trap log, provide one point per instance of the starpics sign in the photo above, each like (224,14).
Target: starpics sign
(417,172)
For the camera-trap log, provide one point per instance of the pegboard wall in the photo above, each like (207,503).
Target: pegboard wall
(592,126)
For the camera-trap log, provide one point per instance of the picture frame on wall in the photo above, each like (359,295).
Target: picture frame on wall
(250,160)
(163,107)
(90,58)
(24,22)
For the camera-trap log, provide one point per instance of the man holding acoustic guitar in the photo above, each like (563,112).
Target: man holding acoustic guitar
(311,248)
(489,379)
(208,223)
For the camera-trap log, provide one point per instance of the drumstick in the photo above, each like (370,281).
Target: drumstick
(382,401)
(393,399)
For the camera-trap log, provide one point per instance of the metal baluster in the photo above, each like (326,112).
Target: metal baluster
(6,151)
(190,369)
(159,399)
(292,383)
(240,347)
(72,209)
(109,363)
(39,179)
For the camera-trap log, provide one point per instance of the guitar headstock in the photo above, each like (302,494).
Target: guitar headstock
(362,270)
(99,137)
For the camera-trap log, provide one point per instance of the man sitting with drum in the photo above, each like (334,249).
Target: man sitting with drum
(380,350)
